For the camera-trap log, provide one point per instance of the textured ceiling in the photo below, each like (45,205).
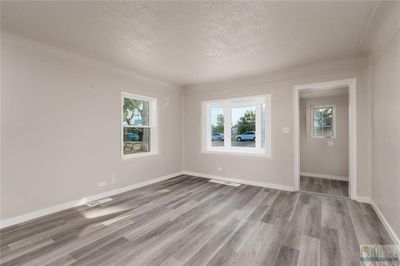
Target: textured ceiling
(195,42)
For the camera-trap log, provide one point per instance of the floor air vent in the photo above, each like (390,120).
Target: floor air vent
(228,183)
(98,202)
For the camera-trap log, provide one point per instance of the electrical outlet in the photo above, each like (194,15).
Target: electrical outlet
(285,130)
(219,168)
(102,184)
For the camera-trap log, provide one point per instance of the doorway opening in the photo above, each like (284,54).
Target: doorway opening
(325,139)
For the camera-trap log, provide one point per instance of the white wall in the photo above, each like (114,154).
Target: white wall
(279,168)
(385,77)
(316,156)
(60,123)
(60,129)
(68,97)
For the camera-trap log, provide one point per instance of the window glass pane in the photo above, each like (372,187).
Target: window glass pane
(136,112)
(217,126)
(318,131)
(136,140)
(243,126)
(327,131)
(323,121)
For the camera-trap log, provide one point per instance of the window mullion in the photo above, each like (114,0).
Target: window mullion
(258,126)
(208,127)
(227,126)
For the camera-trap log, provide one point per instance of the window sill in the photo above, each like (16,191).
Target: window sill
(139,155)
(317,137)
(238,153)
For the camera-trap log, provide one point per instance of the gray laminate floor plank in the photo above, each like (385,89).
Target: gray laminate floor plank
(188,221)
(309,251)
(325,186)
(330,247)
(287,256)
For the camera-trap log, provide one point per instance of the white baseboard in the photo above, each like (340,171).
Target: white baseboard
(389,229)
(61,207)
(75,203)
(333,177)
(385,223)
(364,199)
(242,181)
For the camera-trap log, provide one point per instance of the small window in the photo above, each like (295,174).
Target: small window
(238,125)
(323,121)
(139,131)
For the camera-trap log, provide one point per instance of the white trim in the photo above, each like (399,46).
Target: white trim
(227,104)
(238,152)
(39,213)
(136,96)
(242,181)
(363,199)
(139,155)
(153,125)
(389,229)
(351,84)
(258,128)
(240,101)
(333,177)
(268,126)
(352,138)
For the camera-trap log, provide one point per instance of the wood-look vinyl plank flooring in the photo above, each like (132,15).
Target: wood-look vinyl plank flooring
(189,221)
(324,186)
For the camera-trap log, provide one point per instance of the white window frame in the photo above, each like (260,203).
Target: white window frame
(153,125)
(312,107)
(227,104)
